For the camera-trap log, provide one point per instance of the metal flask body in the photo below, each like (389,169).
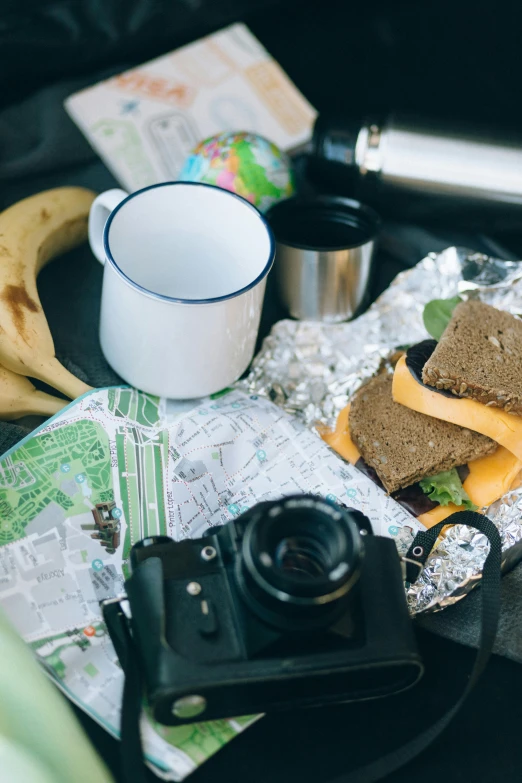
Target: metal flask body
(406,154)
(324,252)
(435,161)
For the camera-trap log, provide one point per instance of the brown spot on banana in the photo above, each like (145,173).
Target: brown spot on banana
(18,300)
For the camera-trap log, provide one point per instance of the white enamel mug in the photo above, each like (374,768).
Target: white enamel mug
(183,286)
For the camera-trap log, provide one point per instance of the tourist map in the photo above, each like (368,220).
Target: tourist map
(114,467)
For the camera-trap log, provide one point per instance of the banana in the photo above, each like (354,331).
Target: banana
(18,397)
(33,232)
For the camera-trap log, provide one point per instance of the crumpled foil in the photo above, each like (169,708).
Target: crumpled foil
(312,369)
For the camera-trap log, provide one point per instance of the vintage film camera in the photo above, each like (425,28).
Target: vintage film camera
(295,603)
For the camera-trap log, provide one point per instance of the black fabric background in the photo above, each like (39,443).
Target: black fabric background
(451,59)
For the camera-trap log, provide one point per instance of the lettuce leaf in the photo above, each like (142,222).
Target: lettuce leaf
(445,488)
(437,315)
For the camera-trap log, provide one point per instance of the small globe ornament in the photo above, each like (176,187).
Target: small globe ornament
(244,163)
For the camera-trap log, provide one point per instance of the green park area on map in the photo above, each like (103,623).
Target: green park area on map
(201,740)
(78,453)
(139,408)
(142,462)
(29,482)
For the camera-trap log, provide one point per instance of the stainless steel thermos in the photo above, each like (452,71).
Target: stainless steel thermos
(425,159)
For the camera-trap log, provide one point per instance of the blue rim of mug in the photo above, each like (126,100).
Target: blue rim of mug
(164,297)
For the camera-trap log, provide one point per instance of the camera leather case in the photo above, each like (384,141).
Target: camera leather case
(210,646)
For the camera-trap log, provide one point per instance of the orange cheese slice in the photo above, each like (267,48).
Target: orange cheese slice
(501,427)
(489,478)
(339,439)
(492,476)
(438,514)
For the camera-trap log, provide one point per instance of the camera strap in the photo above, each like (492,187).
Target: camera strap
(131,747)
(417,555)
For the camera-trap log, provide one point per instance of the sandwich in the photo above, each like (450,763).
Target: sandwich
(471,377)
(429,435)
(430,467)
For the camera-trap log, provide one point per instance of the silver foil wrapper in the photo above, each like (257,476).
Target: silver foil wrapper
(312,369)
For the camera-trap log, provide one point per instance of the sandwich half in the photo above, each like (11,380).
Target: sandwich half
(472,377)
(404,446)
(478,357)
(430,466)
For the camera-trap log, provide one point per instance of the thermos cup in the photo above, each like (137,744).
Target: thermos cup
(324,251)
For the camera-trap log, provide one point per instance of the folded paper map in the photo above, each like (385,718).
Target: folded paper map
(144,123)
(116,466)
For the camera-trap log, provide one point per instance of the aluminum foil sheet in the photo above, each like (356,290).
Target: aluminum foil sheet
(312,369)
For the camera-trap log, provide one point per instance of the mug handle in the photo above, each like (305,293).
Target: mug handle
(101,208)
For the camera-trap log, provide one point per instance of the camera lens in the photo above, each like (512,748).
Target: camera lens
(299,556)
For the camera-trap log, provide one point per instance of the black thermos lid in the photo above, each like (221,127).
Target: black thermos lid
(335,138)
(333,148)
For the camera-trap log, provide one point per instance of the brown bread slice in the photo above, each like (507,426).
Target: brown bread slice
(479,356)
(405,446)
